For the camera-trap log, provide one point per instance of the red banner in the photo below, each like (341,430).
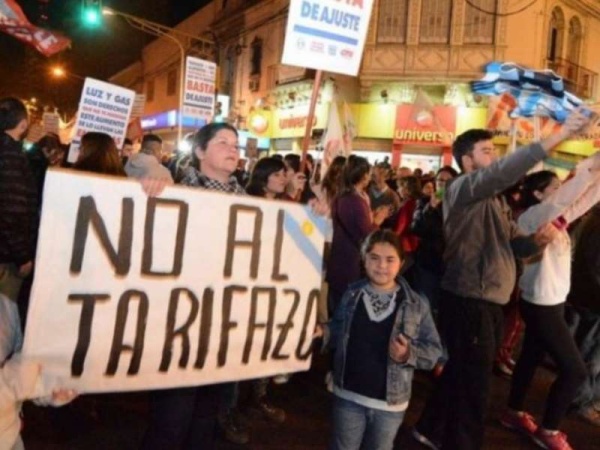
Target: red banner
(14,22)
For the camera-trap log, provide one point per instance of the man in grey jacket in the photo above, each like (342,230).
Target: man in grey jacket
(146,163)
(482,242)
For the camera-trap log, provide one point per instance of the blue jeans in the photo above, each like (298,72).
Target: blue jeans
(358,427)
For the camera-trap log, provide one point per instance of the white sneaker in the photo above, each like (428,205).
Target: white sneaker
(282,378)
(424,439)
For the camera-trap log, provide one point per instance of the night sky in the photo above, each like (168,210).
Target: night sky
(98,52)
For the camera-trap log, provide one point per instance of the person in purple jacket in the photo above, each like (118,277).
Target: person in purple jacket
(353,221)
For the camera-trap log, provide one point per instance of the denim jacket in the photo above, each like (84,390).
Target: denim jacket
(413,319)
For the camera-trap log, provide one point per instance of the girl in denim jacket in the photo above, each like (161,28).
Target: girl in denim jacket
(381,332)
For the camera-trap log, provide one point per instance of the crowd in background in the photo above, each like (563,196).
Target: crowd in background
(474,256)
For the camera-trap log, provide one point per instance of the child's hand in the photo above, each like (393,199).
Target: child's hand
(319,207)
(380,214)
(63,396)
(399,349)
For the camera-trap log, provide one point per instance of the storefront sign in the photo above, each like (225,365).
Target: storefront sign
(104,108)
(327,34)
(289,123)
(425,126)
(170,119)
(126,297)
(199,92)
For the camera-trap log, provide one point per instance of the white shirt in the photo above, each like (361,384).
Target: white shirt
(546,280)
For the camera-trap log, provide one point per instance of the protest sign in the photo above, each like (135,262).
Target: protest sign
(327,34)
(193,287)
(139,104)
(104,108)
(35,132)
(51,122)
(199,93)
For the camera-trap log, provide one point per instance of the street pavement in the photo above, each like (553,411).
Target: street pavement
(118,421)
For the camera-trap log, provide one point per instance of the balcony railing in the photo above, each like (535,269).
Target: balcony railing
(578,80)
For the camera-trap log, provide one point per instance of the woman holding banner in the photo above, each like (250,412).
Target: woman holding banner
(186,418)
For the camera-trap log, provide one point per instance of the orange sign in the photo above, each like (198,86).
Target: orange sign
(417,125)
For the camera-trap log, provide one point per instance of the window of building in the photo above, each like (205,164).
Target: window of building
(172,82)
(479,25)
(435,21)
(256,56)
(575,38)
(391,26)
(150,91)
(555,34)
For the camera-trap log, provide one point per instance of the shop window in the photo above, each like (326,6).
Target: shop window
(435,21)
(575,38)
(391,26)
(256,56)
(172,82)
(150,90)
(555,34)
(479,25)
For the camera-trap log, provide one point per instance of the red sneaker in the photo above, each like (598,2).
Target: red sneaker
(519,421)
(551,441)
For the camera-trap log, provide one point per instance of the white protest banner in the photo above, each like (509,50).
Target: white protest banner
(193,287)
(199,94)
(104,108)
(327,34)
(51,121)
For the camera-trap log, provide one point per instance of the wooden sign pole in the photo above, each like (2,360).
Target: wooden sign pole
(311,117)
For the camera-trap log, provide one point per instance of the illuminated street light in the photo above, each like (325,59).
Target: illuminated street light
(91,13)
(60,72)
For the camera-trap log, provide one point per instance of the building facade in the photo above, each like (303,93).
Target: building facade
(412,94)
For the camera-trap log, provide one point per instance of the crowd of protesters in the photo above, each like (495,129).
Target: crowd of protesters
(421,272)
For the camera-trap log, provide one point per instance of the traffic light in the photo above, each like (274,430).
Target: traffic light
(91,12)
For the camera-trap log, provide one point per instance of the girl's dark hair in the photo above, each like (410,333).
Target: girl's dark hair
(259,178)
(537,181)
(332,181)
(413,184)
(50,141)
(381,237)
(448,169)
(293,161)
(12,112)
(355,170)
(99,154)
